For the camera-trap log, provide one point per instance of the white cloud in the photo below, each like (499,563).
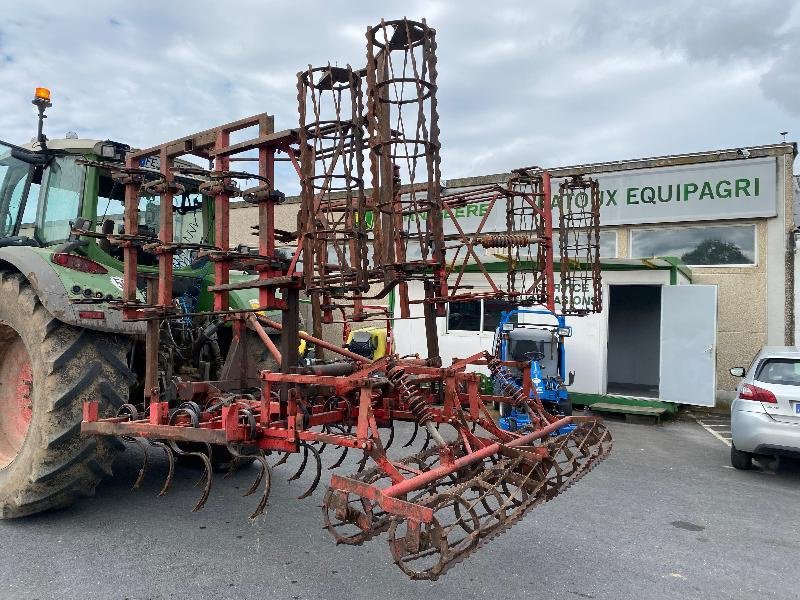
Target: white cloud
(520,83)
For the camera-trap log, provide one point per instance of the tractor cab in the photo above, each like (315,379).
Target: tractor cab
(539,341)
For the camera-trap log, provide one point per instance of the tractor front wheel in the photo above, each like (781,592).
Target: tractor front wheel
(47,370)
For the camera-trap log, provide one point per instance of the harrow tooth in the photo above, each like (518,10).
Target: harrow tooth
(261,472)
(170,466)
(283,459)
(362,463)
(341,459)
(266,475)
(391,436)
(145,461)
(427,439)
(208,472)
(413,436)
(302,464)
(317,474)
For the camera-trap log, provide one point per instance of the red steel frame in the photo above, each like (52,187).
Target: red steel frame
(358,393)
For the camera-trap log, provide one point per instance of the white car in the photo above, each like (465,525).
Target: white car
(765,416)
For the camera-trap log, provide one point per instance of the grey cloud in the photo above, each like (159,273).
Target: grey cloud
(520,83)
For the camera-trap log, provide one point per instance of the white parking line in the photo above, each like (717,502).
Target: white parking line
(715,433)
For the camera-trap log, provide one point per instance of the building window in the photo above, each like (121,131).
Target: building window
(477,315)
(698,246)
(608,244)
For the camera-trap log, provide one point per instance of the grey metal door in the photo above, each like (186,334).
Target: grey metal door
(688,344)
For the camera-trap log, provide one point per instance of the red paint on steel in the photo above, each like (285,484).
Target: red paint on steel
(415,483)
(16,399)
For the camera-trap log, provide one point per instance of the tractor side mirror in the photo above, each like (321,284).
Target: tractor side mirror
(571,378)
(737,371)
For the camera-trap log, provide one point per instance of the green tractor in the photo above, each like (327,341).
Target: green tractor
(62,340)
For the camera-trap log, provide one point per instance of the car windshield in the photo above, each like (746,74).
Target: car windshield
(14,177)
(781,371)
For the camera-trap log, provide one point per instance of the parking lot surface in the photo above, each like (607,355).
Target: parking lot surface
(663,517)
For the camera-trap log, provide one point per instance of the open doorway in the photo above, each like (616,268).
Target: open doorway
(634,339)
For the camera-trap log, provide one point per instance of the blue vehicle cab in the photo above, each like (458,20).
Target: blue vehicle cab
(541,343)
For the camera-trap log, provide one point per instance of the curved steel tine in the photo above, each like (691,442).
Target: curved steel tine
(170,466)
(267,475)
(341,458)
(208,472)
(391,436)
(254,486)
(145,461)
(317,474)
(237,456)
(302,464)
(362,463)
(427,439)
(232,468)
(203,476)
(283,459)
(413,435)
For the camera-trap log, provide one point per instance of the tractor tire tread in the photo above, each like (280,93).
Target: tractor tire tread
(56,465)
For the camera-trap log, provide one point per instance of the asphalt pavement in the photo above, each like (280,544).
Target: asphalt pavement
(663,517)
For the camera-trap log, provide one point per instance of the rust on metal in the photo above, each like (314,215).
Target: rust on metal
(215,382)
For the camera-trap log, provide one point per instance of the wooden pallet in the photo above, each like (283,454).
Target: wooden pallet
(633,414)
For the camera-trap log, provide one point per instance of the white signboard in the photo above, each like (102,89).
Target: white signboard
(721,190)
(701,192)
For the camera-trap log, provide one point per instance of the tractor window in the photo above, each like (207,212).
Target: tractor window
(13,179)
(187,220)
(62,199)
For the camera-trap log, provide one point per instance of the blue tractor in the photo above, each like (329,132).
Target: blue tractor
(541,344)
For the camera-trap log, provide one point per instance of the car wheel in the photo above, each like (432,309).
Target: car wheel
(741,460)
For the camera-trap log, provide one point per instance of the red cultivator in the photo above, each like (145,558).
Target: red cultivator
(471,480)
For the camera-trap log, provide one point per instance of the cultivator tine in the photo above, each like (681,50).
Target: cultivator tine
(362,463)
(427,439)
(205,458)
(170,466)
(413,436)
(207,471)
(317,474)
(341,459)
(283,459)
(264,474)
(302,464)
(391,436)
(145,461)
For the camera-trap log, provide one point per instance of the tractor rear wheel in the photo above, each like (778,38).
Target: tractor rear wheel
(47,370)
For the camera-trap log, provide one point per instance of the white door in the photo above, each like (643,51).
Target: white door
(688,344)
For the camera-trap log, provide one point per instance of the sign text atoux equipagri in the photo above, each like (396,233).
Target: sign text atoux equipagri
(729,189)
(733,189)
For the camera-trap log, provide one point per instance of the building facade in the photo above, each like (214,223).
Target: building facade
(721,218)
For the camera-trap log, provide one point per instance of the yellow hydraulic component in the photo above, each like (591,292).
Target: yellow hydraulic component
(303,348)
(372,337)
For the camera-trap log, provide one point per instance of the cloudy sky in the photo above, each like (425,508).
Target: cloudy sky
(520,83)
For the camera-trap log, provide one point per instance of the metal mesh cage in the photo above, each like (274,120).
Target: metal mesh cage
(332,183)
(579,246)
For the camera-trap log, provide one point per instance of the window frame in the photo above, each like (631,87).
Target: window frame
(752,224)
(481,331)
(614,232)
(44,196)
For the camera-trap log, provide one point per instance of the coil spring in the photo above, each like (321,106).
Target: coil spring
(506,240)
(507,383)
(416,404)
